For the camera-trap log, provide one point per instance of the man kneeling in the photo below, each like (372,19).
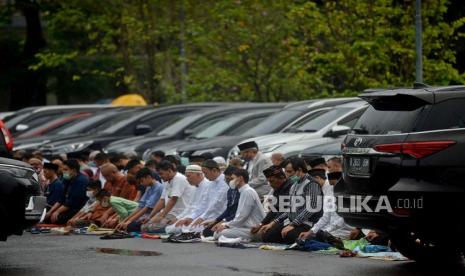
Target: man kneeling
(249,212)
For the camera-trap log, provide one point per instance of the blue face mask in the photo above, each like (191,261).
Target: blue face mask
(92,164)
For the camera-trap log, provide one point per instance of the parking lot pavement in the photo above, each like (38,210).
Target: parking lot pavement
(47,254)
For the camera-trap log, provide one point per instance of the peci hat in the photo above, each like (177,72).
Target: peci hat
(274,171)
(316,161)
(248,145)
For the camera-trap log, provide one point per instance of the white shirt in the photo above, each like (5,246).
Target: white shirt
(196,208)
(216,199)
(180,188)
(331,222)
(249,209)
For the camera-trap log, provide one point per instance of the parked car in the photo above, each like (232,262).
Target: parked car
(325,150)
(183,128)
(327,122)
(227,125)
(91,125)
(134,123)
(408,146)
(222,145)
(59,122)
(6,141)
(31,117)
(21,203)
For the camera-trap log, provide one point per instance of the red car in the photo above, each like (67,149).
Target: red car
(6,141)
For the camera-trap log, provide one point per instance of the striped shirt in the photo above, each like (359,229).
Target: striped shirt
(309,190)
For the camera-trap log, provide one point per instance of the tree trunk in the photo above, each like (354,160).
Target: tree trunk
(30,87)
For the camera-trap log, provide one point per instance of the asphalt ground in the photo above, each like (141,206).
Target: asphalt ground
(49,254)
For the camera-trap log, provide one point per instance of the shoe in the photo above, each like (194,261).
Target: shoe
(189,238)
(173,237)
(35,230)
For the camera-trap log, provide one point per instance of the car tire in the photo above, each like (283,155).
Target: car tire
(411,246)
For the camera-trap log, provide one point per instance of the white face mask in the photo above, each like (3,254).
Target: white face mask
(233,184)
(90,194)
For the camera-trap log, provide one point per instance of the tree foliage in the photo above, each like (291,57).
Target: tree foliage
(253,50)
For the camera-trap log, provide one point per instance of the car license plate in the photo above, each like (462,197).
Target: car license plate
(359,165)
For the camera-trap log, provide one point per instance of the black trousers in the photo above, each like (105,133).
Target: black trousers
(274,234)
(64,216)
(207,232)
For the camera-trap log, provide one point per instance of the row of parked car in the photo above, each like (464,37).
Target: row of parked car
(186,130)
(405,144)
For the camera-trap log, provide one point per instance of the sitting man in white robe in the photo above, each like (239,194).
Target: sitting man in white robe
(249,212)
(196,178)
(211,202)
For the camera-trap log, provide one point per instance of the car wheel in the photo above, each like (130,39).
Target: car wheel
(414,247)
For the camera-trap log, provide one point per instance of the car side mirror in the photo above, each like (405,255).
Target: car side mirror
(142,129)
(338,130)
(21,127)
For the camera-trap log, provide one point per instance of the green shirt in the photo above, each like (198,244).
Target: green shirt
(123,207)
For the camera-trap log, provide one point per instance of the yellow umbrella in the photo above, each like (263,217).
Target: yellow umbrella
(129,100)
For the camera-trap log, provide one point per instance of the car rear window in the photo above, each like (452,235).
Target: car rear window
(380,122)
(449,114)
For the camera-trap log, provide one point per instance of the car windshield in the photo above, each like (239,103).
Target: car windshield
(54,126)
(15,120)
(273,123)
(81,125)
(214,128)
(317,120)
(244,126)
(118,122)
(180,125)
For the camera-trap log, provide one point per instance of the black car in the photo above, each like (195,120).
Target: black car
(21,203)
(222,145)
(406,152)
(229,124)
(184,128)
(123,125)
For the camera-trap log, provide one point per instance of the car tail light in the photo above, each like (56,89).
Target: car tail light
(8,137)
(402,212)
(415,149)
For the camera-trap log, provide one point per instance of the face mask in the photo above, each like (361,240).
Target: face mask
(92,164)
(294,178)
(90,194)
(105,204)
(233,184)
(66,176)
(334,175)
